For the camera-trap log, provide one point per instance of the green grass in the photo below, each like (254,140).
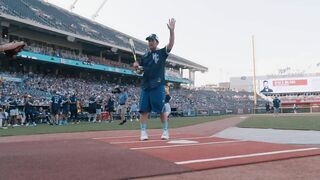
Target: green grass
(293,122)
(85,126)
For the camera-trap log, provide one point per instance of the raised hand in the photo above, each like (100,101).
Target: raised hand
(171,24)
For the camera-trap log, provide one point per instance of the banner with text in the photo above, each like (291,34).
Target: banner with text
(289,85)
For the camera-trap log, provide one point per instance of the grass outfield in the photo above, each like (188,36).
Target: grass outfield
(293,122)
(103,126)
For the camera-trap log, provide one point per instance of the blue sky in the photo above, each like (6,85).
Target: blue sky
(217,34)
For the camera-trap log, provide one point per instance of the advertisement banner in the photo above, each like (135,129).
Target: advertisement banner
(289,85)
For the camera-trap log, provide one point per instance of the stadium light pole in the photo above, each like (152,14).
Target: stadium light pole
(254,76)
(96,14)
(72,6)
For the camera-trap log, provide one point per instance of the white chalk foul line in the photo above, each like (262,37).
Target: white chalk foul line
(181,145)
(120,137)
(244,156)
(128,142)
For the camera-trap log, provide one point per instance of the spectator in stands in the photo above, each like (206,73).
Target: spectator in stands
(276,105)
(266,88)
(152,93)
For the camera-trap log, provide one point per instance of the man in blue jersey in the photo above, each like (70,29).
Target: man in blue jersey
(73,108)
(65,109)
(152,96)
(123,102)
(110,108)
(276,105)
(92,109)
(55,107)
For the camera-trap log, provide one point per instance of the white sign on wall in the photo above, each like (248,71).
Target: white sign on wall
(289,85)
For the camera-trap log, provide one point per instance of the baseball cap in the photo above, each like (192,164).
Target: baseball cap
(152,37)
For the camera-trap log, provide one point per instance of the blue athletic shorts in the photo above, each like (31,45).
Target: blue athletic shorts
(152,100)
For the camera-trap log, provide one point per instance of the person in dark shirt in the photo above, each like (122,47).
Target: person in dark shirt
(55,108)
(110,108)
(29,111)
(276,105)
(153,80)
(123,102)
(92,109)
(14,111)
(73,108)
(65,109)
(99,108)
(267,107)
(167,107)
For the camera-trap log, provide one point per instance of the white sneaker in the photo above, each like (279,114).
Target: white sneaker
(165,135)
(144,136)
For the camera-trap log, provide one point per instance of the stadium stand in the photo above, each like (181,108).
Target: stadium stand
(55,17)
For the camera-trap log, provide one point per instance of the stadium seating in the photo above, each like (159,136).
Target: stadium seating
(41,87)
(55,17)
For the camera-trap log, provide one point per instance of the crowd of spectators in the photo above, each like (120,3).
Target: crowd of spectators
(40,87)
(65,53)
(73,55)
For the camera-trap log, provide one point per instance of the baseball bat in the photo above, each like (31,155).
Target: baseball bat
(133,50)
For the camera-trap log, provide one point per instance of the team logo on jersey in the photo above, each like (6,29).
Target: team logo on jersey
(155,57)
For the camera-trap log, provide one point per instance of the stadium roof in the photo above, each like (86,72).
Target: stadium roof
(49,17)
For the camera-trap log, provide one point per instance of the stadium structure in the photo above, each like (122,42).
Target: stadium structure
(70,54)
(81,43)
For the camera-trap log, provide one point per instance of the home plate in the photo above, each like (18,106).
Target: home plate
(182,141)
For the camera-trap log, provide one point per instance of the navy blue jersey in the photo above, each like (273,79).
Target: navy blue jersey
(153,63)
(28,108)
(167,98)
(92,105)
(99,104)
(276,103)
(73,103)
(56,102)
(66,104)
(13,105)
(110,104)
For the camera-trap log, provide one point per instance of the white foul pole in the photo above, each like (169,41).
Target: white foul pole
(254,75)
